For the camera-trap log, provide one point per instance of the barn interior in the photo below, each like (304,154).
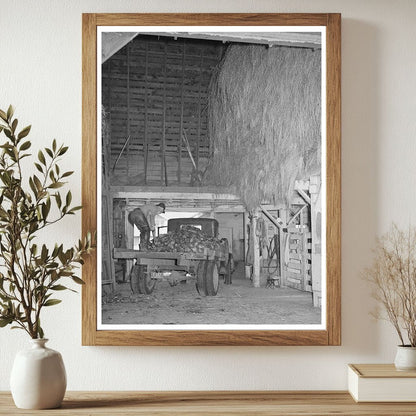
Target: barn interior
(217,125)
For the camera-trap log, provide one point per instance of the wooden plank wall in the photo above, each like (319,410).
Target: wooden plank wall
(298,271)
(156,88)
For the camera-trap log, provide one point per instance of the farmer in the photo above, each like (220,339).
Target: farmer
(143,218)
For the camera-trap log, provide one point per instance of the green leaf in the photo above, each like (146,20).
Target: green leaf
(67,174)
(62,257)
(40,332)
(24,132)
(59,287)
(10,112)
(68,198)
(63,150)
(39,167)
(49,151)
(8,133)
(33,187)
(14,125)
(34,249)
(25,145)
(51,302)
(78,280)
(44,253)
(56,185)
(5,321)
(54,145)
(3,115)
(58,199)
(45,210)
(72,210)
(41,157)
(37,182)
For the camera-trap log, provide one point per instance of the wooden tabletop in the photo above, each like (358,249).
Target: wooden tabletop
(212,403)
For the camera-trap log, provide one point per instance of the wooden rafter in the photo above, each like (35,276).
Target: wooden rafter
(304,195)
(278,222)
(296,214)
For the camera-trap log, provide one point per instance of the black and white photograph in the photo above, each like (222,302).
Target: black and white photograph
(211,177)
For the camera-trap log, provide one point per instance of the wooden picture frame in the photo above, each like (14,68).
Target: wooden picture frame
(331,335)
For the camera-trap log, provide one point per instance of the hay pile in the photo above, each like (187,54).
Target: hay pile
(188,239)
(265,121)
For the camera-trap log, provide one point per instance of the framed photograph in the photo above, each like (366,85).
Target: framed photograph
(211,172)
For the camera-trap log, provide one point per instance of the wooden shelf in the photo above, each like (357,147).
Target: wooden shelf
(212,403)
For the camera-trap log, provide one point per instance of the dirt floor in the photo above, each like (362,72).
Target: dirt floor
(238,303)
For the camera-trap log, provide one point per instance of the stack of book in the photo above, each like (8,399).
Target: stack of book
(381,383)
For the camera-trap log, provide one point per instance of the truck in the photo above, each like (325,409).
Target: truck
(206,266)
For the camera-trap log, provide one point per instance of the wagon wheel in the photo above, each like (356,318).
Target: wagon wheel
(200,277)
(140,282)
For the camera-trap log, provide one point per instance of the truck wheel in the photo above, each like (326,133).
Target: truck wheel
(200,277)
(212,280)
(140,282)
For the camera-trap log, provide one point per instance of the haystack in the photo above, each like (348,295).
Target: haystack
(265,121)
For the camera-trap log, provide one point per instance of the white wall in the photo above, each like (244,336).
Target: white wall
(40,73)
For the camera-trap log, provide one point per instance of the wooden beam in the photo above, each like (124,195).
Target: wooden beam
(174,192)
(293,39)
(128,110)
(198,138)
(112,42)
(304,195)
(163,167)
(145,144)
(181,119)
(278,222)
(296,214)
(106,139)
(256,249)
(283,241)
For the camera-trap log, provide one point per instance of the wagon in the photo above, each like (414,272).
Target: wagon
(204,267)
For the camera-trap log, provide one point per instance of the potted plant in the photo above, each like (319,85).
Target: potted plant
(31,273)
(393,277)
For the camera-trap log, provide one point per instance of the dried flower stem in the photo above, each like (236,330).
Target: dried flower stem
(393,276)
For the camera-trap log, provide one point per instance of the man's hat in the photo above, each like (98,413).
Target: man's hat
(162,205)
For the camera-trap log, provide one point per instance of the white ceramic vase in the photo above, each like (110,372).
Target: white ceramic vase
(38,377)
(405,358)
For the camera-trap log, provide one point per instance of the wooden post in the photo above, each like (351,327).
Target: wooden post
(316,222)
(198,142)
(128,110)
(164,174)
(181,120)
(106,139)
(246,221)
(283,241)
(109,229)
(145,144)
(256,249)
(129,237)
